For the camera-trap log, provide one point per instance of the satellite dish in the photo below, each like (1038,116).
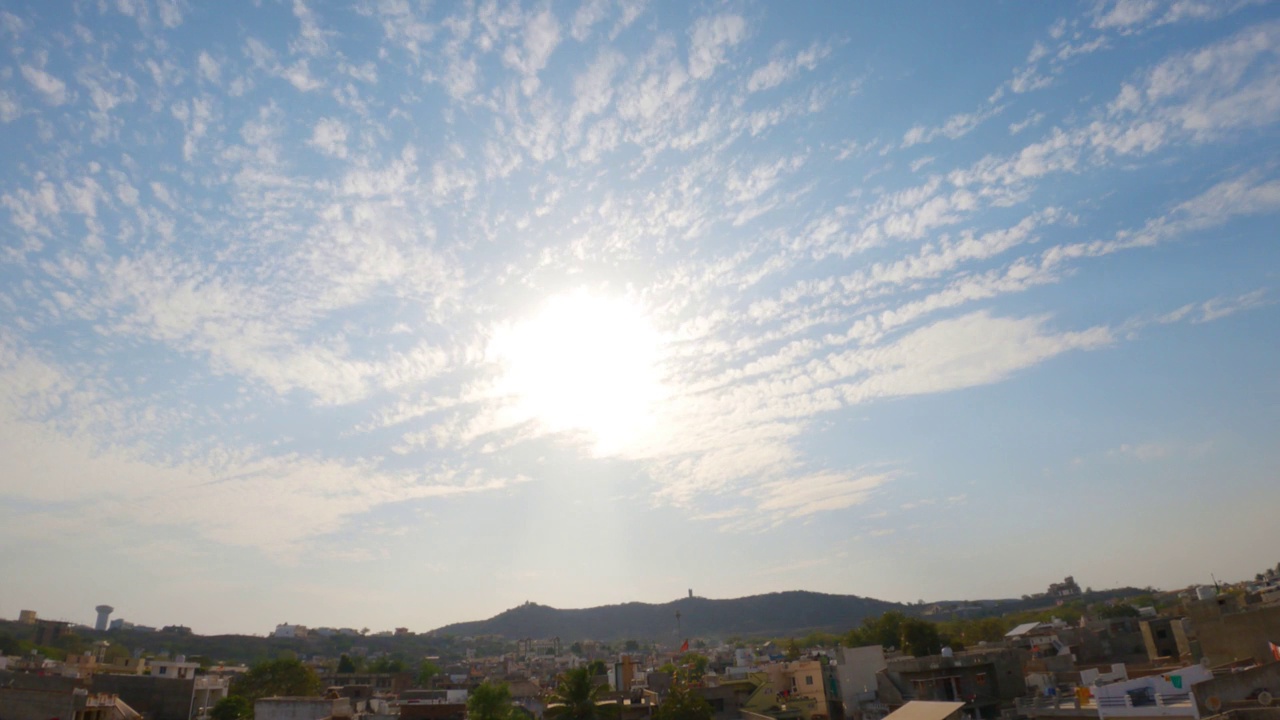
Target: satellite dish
(1213,702)
(1264,698)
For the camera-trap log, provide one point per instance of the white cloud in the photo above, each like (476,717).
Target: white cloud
(53,89)
(710,39)
(330,137)
(823,492)
(589,13)
(976,349)
(10,109)
(779,70)
(541,36)
(956,126)
(209,68)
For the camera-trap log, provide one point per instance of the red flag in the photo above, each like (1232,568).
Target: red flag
(685,647)
(1275,650)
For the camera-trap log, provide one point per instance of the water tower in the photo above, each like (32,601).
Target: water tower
(104,612)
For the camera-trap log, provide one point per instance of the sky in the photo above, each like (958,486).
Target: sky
(387,313)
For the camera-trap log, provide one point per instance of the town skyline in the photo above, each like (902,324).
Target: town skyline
(309,308)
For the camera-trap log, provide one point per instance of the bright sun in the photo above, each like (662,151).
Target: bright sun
(584,363)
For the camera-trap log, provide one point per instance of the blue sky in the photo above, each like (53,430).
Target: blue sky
(377,314)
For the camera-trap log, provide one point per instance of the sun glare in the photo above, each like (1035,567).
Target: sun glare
(584,363)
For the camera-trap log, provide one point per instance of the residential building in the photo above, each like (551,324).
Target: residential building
(856,670)
(1229,628)
(801,689)
(49,630)
(176,669)
(285,630)
(432,705)
(1166,639)
(1245,689)
(32,697)
(301,708)
(164,698)
(384,683)
(1169,694)
(987,680)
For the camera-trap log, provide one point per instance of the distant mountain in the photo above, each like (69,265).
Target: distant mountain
(780,614)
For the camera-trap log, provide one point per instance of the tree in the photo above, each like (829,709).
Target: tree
(489,701)
(387,665)
(683,703)
(427,672)
(277,678)
(232,707)
(346,664)
(920,637)
(9,645)
(631,646)
(576,697)
(793,650)
(597,667)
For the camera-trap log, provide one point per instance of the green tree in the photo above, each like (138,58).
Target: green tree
(232,707)
(276,678)
(793,650)
(346,664)
(683,703)
(577,696)
(692,667)
(1122,610)
(489,701)
(597,667)
(387,665)
(427,672)
(920,637)
(631,646)
(9,645)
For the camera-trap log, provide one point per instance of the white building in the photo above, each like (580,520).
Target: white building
(285,630)
(176,669)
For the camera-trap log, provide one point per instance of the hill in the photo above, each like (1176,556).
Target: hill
(772,615)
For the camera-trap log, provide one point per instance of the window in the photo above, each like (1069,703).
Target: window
(808,679)
(163,669)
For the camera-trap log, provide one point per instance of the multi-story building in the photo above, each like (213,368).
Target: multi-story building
(986,680)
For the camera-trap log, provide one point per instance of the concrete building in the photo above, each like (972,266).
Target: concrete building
(32,697)
(1229,628)
(176,669)
(301,708)
(1247,689)
(27,617)
(432,705)
(285,630)
(49,630)
(104,614)
(986,680)
(802,689)
(728,696)
(164,698)
(856,670)
(1166,639)
(385,683)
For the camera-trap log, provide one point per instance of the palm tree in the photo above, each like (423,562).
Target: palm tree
(576,697)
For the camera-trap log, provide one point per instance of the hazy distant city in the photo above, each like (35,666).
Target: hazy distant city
(1065,652)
